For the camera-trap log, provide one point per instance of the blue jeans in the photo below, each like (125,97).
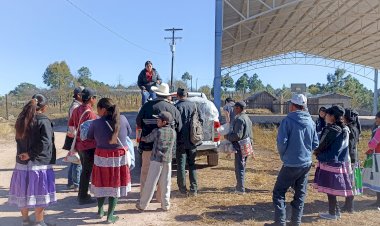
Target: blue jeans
(296,177)
(239,168)
(73,175)
(145,95)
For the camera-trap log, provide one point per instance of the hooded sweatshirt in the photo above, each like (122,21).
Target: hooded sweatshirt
(296,139)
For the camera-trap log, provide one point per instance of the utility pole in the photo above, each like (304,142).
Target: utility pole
(375,92)
(196,85)
(172,49)
(191,84)
(119,79)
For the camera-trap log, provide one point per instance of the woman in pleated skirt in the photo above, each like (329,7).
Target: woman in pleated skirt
(33,180)
(110,174)
(332,175)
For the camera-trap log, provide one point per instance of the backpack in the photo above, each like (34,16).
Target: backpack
(196,130)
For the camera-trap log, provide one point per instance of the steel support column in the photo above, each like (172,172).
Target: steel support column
(218,52)
(375,92)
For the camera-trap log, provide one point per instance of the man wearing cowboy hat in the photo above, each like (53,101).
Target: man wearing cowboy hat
(148,123)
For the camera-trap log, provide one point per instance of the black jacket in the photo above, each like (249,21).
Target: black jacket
(143,83)
(320,123)
(187,110)
(353,141)
(331,147)
(148,123)
(38,143)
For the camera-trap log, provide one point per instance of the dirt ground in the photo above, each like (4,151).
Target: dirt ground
(215,204)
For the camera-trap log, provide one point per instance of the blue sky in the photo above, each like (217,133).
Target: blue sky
(37,33)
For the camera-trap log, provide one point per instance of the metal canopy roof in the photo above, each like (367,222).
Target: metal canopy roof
(346,30)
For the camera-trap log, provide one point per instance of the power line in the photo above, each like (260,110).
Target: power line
(109,29)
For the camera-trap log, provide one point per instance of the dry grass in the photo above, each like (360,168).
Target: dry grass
(259,111)
(217,205)
(264,137)
(6,130)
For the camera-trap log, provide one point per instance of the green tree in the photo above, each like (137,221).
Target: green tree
(227,82)
(362,98)
(335,81)
(206,90)
(316,88)
(84,77)
(242,84)
(255,84)
(187,77)
(84,72)
(270,89)
(58,76)
(24,88)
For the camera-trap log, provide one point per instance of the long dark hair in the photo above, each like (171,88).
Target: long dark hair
(113,116)
(26,118)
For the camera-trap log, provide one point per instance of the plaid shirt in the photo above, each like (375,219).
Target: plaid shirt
(164,139)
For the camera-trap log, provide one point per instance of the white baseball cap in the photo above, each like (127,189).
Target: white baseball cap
(299,99)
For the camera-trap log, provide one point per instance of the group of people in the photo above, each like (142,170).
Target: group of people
(102,156)
(106,156)
(333,139)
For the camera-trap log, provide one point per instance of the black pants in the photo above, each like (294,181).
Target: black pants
(87,160)
(334,208)
(349,203)
(184,156)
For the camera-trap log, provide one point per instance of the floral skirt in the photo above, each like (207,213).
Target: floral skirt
(333,179)
(110,173)
(32,186)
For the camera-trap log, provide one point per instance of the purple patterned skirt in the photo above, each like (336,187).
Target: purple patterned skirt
(333,179)
(32,186)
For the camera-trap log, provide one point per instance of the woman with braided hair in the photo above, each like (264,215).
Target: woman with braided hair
(111,172)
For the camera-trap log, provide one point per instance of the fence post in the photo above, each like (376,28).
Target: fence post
(6,107)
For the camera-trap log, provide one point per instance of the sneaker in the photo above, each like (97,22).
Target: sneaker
(346,210)
(193,194)
(239,192)
(165,209)
(71,186)
(328,216)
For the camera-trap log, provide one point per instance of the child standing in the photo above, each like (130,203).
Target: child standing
(160,161)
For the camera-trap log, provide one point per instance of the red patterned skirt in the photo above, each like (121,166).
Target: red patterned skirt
(110,175)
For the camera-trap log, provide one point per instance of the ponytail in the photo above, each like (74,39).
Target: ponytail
(115,122)
(112,115)
(25,119)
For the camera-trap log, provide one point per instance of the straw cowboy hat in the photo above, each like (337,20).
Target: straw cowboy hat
(161,89)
